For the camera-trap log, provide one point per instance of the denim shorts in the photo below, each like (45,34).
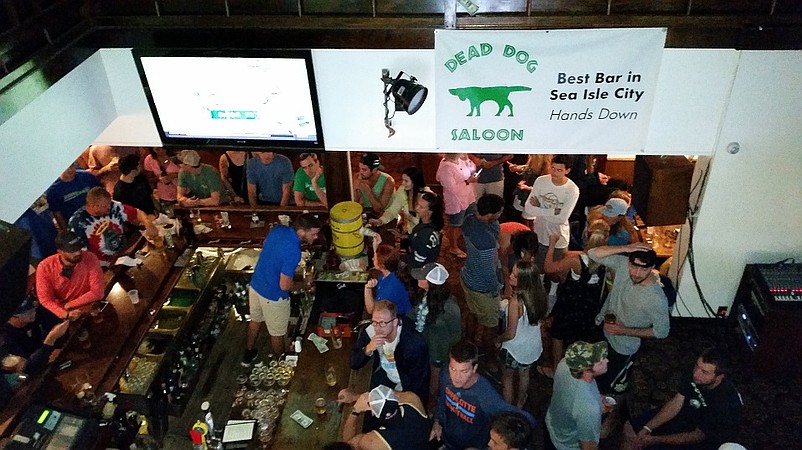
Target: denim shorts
(455,220)
(508,361)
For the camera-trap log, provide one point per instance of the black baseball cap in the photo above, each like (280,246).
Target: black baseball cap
(69,242)
(648,258)
(372,160)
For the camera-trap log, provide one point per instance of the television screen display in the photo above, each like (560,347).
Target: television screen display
(264,99)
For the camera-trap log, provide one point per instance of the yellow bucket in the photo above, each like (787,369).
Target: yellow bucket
(346,223)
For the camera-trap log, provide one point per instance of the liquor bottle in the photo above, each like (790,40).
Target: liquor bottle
(207,418)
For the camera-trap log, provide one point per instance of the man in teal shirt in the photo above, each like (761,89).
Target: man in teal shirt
(372,187)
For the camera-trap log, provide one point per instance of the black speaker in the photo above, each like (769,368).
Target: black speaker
(661,189)
(15,256)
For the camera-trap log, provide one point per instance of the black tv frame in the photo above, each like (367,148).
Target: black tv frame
(234,143)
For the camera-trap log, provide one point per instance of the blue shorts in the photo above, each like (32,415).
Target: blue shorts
(455,220)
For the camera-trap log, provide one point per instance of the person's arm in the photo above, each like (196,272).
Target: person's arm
(666,413)
(349,431)
(552,215)
(145,220)
(627,224)
(252,195)
(414,367)
(46,292)
(212,200)
(319,190)
(285,282)
(616,329)
(498,162)
(669,410)
(40,358)
(391,211)
(569,261)
(96,284)
(513,314)
(359,353)
(61,224)
(379,203)
(599,253)
(225,180)
(370,300)
(285,194)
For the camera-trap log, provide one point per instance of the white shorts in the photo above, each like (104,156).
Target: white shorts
(274,313)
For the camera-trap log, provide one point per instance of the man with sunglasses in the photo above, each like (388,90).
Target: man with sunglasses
(68,280)
(636,308)
(399,353)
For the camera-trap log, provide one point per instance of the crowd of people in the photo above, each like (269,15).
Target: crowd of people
(450,365)
(454,367)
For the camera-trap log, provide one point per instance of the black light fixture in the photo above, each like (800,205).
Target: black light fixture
(407,95)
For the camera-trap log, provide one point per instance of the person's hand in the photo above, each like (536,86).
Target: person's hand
(437,432)
(362,403)
(74,315)
(375,222)
(637,247)
(375,343)
(644,439)
(603,179)
(150,231)
(613,329)
(57,332)
(371,283)
(316,175)
(534,201)
(346,396)
(472,179)
(554,237)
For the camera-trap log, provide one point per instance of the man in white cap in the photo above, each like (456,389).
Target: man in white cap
(403,423)
(622,230)
(573,419)
(198,184)
(437,317)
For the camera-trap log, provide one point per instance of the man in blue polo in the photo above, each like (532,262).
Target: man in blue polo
(272,279)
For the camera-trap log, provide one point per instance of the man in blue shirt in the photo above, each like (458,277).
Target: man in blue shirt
(467,402)
(68,193)
(481,274)
(272,279)
(270,178)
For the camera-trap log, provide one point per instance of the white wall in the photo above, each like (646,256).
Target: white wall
(692,91)
(41,140)
(751,210)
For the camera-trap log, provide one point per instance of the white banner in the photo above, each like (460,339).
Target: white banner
(562,91)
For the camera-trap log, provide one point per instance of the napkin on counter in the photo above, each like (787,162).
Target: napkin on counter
(128,261)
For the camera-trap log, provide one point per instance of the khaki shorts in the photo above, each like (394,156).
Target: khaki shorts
(484,305)
(274,313)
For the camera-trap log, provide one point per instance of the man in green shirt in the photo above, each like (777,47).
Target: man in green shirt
(309,188)
(198,184)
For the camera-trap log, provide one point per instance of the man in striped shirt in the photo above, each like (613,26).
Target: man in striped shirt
(481,274)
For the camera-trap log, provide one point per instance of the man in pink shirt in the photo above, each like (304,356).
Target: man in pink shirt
(456,173)
(70,279)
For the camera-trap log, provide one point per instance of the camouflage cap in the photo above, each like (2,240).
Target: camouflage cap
(582,355)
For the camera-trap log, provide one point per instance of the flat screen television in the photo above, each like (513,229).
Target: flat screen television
(232,98)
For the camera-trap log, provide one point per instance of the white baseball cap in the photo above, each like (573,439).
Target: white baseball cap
(383,401)
(434,273)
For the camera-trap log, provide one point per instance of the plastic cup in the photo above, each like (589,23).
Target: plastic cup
(133,295)
(320,406)
(336,338)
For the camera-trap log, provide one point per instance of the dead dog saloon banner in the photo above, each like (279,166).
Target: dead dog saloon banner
(556,90)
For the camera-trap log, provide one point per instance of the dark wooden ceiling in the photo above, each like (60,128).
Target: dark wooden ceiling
(51,37)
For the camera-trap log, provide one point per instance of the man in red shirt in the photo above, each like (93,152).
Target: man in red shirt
(70,279)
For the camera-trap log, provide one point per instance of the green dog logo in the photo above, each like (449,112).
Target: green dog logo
(478,95)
